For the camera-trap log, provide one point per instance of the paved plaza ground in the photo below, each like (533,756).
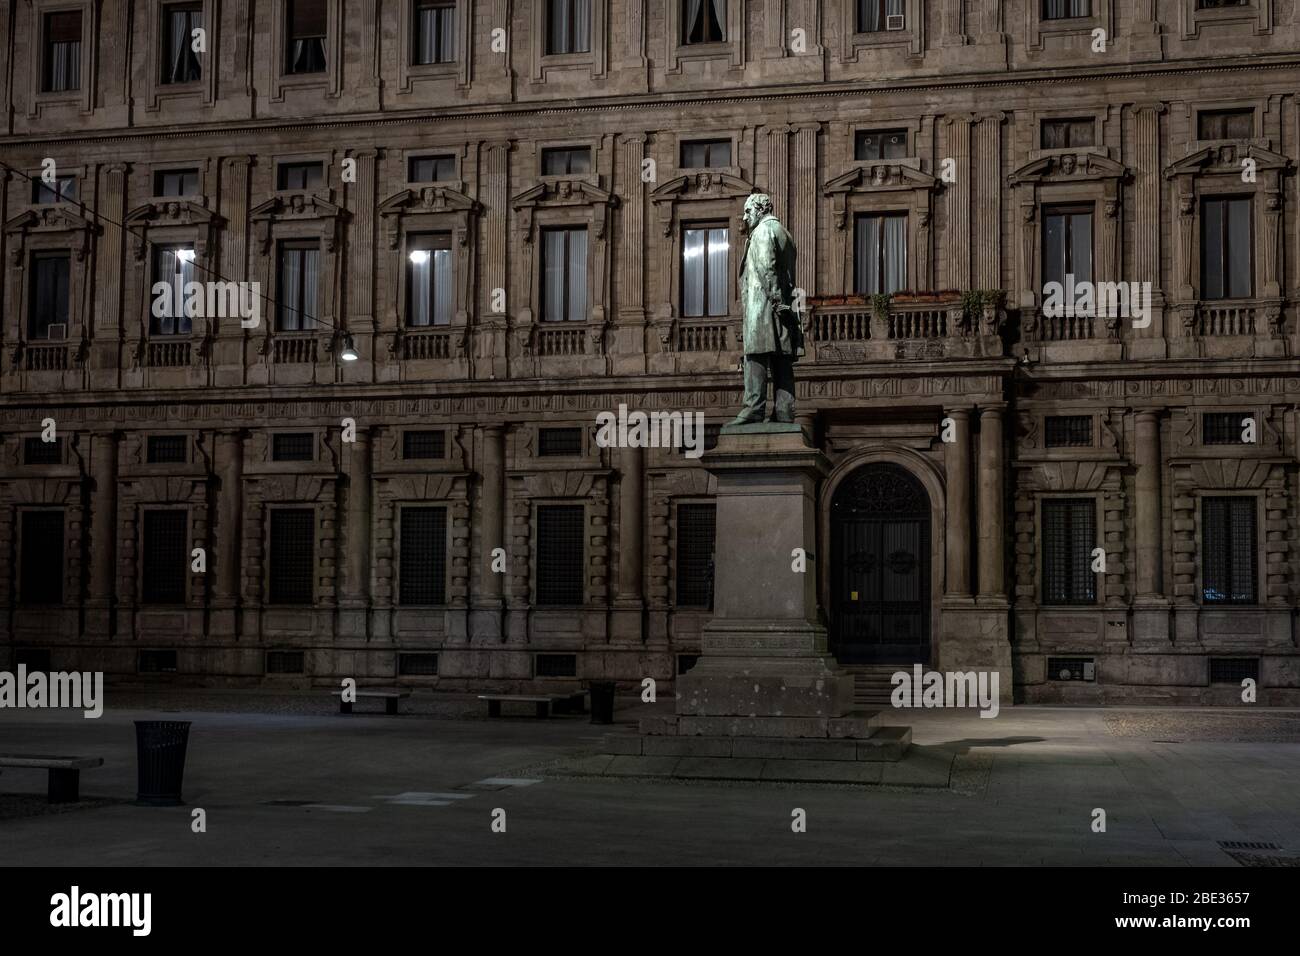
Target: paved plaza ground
(284,779)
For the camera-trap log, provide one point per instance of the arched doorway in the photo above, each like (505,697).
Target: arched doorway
(880,567)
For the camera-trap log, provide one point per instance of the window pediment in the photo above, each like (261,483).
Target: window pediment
(428,201)
(869,179)
(178,212)
(697,186)
(50,220)
(1068,168)
(1225,158)
(560,194)
(297,208)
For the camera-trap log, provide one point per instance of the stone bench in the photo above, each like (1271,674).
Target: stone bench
(543,702)
(574,702)
(389,697)
(65,772)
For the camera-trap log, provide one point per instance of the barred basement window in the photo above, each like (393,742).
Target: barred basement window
(38,452)
(685,662)
(561,556)
(424,444)
(557,665)
(417,665)
(1071,668)
(293,446)
(285,662)
(559,442)
(1228,550)
(423,568)
(696,538)
(1068,431)
(32,658)
(1223,428)
(156,662)
(293,539)
(166,449)
(164,557)
(41,574)
(1233,670)
(1069,534)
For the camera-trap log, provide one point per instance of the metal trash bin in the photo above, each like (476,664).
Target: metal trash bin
(160,755)
(602,701)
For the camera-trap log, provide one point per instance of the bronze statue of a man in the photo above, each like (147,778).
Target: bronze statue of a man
(773,338)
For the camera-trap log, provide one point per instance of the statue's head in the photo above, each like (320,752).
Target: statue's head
(757,206)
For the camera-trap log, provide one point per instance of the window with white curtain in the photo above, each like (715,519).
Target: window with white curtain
(62,51)
(704,270)
(564,275)
(568,26)
(180,62)
(872,14)
(434,31)
(431,169)
(706,154)
(879,253)
(1066,9)
(566,161)
(1225,248)
(298,286)
(168,315)
(429,285)
(176,182)
(305,29)
(704,21)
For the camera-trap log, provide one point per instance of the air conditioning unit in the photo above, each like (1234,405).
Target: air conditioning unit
(57,331)
(895,21)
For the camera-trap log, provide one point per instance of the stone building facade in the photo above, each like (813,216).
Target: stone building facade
(521,214)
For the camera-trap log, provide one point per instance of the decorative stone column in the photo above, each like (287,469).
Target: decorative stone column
(625,621)
(956,456)
(486,608)
(992,574)
(1150,606)
(354,608)
(229,518)
(100,621)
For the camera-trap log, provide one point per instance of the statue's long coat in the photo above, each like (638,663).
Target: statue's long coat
(766,281)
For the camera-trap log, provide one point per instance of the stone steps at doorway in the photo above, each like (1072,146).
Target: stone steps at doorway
(871,683)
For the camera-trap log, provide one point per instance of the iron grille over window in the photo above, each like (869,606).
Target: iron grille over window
(156,662)
(62,51)
(561,556)
(417,665)
(167,449)
(1228,550)
(41,576)
(559,442)
(38,452)
(566,161)
(1068,668)
(305,28)
(424,444)
(1068,431)
(557,665)
(1233,670)
(1223,428)
(431,169)
(1067,133)
(880,144)
(435,33)
(176,182)
(180,62)
(292,446)
(284,662)
(164,557)
(1069,536)
(423,578)
(696,538)
(293,539)
(706,154)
